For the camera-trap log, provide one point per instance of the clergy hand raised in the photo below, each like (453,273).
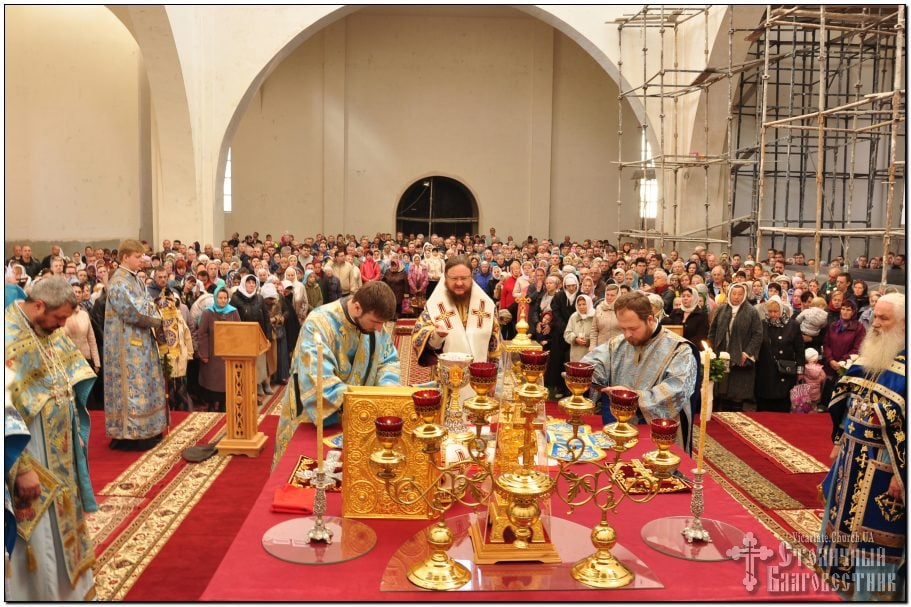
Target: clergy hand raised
(439,334)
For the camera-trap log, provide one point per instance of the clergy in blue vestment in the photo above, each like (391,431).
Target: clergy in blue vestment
(657,364)
(49,481)
(135,410)
(865,519)
(358,352)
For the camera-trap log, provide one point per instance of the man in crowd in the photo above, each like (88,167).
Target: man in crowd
(358,351)
(348,275)
(32,266)
(657,364)
(135,410)
(865,519)
(458,317)
(50,483)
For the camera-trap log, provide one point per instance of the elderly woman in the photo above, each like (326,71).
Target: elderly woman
(781,353)
(604,324)
(578,328)
(563,306)
(212,367)
(417,282)
(397,280)
(692,316)
(843,338)
(736,329)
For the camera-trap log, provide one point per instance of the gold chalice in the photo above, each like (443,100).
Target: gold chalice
(623,404)
(661,461)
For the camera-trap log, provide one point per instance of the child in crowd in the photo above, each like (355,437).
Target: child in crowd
(813,320)
(814,376)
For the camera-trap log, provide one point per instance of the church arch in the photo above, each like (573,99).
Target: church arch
(437,204)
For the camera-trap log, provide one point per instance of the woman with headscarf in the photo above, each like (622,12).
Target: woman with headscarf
(252,308)
(212,367)
(859,289)
(482,275)
(496,276)
(292,323)
(737,330)
(563,306)
(843,338)
(604,324)
(578,328)
(690,314)
(299,302)
(278,361)
(417,283)
(782,351)
(397,280)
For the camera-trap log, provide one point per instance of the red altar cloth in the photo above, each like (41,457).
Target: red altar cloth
(249,573)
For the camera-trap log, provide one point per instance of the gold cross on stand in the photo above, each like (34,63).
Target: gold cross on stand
(481,314)
(445,315)
(523,302)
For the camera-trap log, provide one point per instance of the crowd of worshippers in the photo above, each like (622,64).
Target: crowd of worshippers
(781,329)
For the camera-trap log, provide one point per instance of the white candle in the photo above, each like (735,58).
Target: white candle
(318,378)
(704,412)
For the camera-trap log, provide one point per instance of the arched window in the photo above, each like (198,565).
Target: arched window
(437,205)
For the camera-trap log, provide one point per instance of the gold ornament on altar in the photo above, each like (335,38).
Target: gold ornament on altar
(605,485)
(466,482)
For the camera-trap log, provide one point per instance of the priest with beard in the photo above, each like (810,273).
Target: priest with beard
(863,535)
(458,317)
(650,360)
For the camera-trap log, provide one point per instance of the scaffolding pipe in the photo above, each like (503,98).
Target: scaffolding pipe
(820,143)
(705,123)
(661,137)
(893,138)
(619,131)
(762,133)
(729,233)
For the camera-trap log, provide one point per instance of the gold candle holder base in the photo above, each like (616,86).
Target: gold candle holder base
(661,463)
(438,571)
(602,569)
(624,435)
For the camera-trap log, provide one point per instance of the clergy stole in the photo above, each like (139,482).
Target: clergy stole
(472,337)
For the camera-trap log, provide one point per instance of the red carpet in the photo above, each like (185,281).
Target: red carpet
(786,502)
(187,562)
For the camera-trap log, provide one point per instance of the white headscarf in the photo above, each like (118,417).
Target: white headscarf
(571,279)
(746,291)
(590,310)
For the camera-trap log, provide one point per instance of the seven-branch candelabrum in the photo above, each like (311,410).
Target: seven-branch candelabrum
(602,482)
(466,481)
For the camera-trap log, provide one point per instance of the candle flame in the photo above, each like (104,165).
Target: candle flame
(705,346)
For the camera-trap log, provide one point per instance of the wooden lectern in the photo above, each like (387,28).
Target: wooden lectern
(239,343)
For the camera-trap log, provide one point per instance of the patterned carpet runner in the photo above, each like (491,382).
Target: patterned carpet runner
(144,506)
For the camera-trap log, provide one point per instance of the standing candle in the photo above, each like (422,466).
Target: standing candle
(318,380)
(703,414)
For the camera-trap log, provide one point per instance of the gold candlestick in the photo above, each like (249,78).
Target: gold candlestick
(320,532)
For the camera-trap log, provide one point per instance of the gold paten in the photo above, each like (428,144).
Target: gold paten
(363,494)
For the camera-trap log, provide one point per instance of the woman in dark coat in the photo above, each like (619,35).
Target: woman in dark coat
(694,319)
(563,306)
(292,324)
(737,330)
(781,341)
(397,279)
(212,368)
(843,338)
(252,308)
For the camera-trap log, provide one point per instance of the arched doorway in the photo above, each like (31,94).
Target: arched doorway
(437,205)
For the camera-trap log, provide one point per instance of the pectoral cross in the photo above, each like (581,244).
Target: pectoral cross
(445,315)
(481,314)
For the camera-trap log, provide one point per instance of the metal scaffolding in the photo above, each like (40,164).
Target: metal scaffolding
(829,107)
(815,125)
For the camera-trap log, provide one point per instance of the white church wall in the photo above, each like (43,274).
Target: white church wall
(375,102)
(76,111)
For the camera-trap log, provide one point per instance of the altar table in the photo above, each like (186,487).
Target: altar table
(248,573)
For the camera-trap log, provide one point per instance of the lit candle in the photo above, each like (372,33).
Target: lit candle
(704,412)
(318,377)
